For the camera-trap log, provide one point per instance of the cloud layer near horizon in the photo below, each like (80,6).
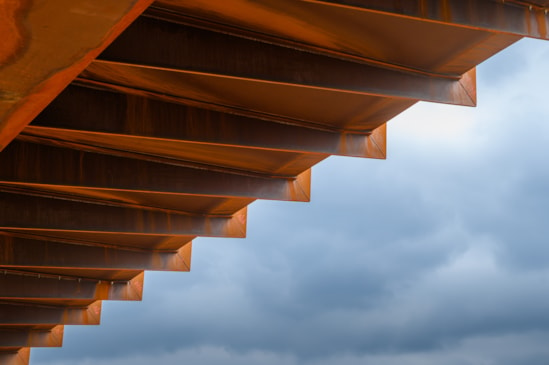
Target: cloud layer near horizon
(438,255)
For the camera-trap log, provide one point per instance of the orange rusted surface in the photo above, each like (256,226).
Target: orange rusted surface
(49,44)
(35,336)
(17,252)
(153,125)
(42,313)
(12,13)
(15,356)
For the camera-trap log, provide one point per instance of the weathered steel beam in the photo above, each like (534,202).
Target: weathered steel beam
(226,159)
(15,356)
(506,16)
(383,38)
(85,109)
(354,112)
(147,38)
(543,3)
(30,164)
(29,337)
(286,102)
(31,213)
(128,240)
(21,286)
(45,45)
(24,253)
(24,314)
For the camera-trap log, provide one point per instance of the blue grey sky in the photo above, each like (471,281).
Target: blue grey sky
(437,255)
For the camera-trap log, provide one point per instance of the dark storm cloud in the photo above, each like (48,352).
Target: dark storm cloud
(438,255)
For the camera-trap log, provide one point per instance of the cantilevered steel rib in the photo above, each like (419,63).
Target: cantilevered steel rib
(358,115)
(15,356)
(31,254)
(52,214)
(364,33)
(82,173)
(170,122)
(167,130)
(527,18)
(14,313)
(146,39)
(25,286)
(285,102)
(31,336)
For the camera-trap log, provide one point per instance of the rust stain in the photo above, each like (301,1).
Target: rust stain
(55,338)
(446,11)
(93,313)
(423,8)
(14,33)
(541,19)
(528,18)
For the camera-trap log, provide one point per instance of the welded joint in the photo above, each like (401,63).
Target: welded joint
(57,334)
(21,357)
(378,139)
(468,83)
(93,312)
(301,187)
(184,256)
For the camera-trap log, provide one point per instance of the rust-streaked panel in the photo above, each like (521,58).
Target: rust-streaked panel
(132,115)
(51,42)
(32,213)
(515,17)
(390,33)
(23,285)
(131,240)
(16,313)
(29,337)
(355,115)
(230,159)
(146,39)
(285,102)
(15,356)
(24,253)
(111,176)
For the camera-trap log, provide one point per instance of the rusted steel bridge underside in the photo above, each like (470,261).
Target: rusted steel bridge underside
(130,127)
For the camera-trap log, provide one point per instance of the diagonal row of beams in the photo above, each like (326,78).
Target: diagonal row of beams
(247,126)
